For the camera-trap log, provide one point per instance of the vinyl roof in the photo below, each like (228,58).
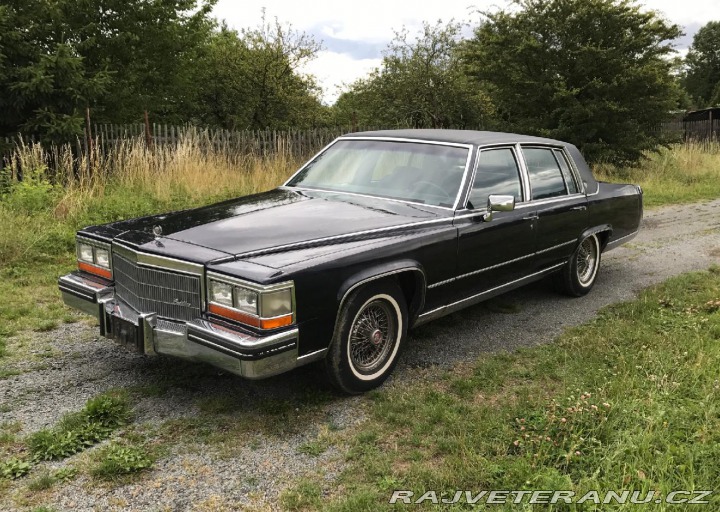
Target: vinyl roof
(479,138)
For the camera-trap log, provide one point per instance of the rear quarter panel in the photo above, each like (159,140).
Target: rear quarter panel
(618,205)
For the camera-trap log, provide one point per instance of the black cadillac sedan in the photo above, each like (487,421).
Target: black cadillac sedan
(378,233)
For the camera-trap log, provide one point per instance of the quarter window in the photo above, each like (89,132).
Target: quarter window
(567,173)
(497,173)
(546,178)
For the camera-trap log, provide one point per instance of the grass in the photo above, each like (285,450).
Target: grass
(627,401)
(74,433)
(40,215)
(679,174)
(117,460)
(100,417)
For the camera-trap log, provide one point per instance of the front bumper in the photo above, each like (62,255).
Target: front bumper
(250,356)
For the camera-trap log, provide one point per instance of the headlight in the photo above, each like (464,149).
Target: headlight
(94,257)
(246,300)
(221,293)
(102,258)
(266,307)
(85,253)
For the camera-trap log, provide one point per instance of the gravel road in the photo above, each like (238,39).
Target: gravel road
(67,366)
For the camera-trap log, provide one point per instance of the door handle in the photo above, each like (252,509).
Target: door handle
(532,216)
(579,208)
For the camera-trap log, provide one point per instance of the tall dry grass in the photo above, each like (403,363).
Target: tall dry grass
(679,174)
(190,170)
(60,193)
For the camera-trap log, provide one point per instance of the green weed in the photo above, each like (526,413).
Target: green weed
(117,460)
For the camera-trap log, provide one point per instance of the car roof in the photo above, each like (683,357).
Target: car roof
(479,138)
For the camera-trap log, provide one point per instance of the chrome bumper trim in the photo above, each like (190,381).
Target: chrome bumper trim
(200,340)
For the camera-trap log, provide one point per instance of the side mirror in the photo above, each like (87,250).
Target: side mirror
(499,203)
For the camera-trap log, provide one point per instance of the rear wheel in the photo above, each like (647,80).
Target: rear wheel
(578,276)
(370,331)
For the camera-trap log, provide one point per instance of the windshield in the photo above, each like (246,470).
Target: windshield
(410,171)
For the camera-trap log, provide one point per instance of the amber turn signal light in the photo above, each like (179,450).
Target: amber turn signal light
(244,318)
(94,269)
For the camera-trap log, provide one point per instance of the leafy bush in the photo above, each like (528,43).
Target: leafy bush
(14,468)
(116,460)
(33,194)
(77,431)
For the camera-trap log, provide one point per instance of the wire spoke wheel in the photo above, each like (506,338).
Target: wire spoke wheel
(587,259)
(373,336)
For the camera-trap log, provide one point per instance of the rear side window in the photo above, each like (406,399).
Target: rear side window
(497,173)
(567,173)
(546,178)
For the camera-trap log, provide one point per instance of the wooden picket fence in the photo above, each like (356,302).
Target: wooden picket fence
(294,143)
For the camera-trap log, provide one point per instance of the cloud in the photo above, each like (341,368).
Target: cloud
(684,42)
(355,48)
(334,70)
(355,33)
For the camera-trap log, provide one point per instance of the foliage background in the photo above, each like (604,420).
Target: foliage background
(601,74)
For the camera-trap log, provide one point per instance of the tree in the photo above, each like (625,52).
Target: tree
(251,79)
(119,57)
(149,47)
(421,83)
(596,73)
(702,78)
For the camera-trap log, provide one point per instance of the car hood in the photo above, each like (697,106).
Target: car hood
(276,219)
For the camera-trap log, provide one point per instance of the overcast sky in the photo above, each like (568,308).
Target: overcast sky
(355,33)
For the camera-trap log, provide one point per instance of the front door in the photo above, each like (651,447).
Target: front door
(492,253)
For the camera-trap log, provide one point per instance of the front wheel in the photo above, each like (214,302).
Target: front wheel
(578,276)
(370,331)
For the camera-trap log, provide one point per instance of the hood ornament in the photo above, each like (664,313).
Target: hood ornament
(157,231)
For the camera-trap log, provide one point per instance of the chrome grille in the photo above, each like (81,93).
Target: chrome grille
(149,290)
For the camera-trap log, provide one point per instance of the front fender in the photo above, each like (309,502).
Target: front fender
(385,270)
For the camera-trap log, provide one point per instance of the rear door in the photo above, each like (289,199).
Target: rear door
(558,202)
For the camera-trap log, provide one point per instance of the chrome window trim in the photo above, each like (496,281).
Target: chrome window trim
(551,147)
(165,263)
(370,196)
(576,171)
(525,175)
(551,200)
(256,287)
(473,173)
(575,175)
(468,160)
(470,213)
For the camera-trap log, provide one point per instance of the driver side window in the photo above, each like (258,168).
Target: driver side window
(497,173)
